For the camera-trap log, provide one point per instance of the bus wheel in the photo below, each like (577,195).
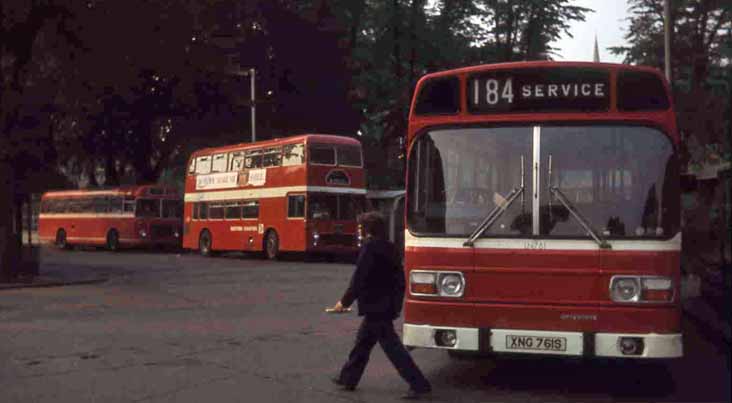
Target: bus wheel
(61,239)
(113,240)
(204,243)
(272,245)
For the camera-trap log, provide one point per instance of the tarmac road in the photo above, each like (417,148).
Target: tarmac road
(169,327)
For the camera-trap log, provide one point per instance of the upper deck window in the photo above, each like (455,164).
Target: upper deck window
(321,154)
(272,157)
(237,161)
(203,165)
(349,156)
(567,89)
(293,154)
(219,163)
(439,96)
(253,159)
(641,91)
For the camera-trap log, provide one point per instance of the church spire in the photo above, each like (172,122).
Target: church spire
(596,53)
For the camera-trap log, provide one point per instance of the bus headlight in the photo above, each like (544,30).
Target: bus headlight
(451,284)
(143,233)
(641,289)
(436,283)
(316,238)
(625,289)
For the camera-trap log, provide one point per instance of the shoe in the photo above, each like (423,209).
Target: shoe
(416,394)
(340,383)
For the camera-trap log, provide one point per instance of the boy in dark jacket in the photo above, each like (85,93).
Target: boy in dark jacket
(378,286)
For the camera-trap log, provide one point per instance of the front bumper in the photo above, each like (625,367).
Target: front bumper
(575,343)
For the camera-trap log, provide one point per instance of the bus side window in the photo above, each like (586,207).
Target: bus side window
(250,209)
(192,166)
(233,211)
(203,165)
(296,206)
(195,210)
(220,162)
(203,211)
(254,159)
(115,205)
(62,206)
(101,204)
(129,206)
(237,161)
(216,211)
(293,154)
(272,157)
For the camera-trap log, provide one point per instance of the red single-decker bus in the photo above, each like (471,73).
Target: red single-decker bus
(543,212)
(131,216)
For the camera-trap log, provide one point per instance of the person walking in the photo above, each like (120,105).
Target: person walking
(378,286)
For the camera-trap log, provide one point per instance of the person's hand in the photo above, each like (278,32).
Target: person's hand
(337,308)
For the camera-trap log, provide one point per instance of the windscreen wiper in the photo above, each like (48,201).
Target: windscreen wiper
(498,210)
(576,214)
(493,215)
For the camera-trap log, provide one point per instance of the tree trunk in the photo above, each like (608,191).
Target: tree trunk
(111,176)
(9,251)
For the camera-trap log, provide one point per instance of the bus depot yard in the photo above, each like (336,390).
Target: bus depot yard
(543,230)
(164,327)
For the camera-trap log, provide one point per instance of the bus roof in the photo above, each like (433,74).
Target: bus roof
(608,109)
(306,138)
(535,64)
(137,191)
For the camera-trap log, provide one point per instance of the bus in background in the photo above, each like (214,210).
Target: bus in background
(146,215)
(295,194)
(543,212)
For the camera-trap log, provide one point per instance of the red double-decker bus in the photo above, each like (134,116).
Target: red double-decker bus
(123,217)
(543,212)
(295,194)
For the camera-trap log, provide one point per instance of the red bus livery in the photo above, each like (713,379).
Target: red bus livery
(299,193)
(543,212)
(127,216)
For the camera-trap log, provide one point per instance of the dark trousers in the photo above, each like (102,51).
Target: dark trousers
(381,330)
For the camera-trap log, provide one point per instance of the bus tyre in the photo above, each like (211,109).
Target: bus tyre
(271,245)
(61,240)
(204,243)
(113,240)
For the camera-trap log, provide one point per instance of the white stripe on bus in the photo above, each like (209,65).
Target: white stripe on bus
(652,245)
(87,215)
(265,193)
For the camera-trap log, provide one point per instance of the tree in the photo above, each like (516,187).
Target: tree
(698,57)
(36,41)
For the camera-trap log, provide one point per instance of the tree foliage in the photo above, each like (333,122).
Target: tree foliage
(700,59)
(122,91)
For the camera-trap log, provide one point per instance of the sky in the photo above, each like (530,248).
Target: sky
(607,22)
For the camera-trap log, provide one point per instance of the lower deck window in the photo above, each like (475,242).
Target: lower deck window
(296,206)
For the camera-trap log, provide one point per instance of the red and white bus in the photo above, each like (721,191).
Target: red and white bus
(123,217)
(543,212)
(295,194)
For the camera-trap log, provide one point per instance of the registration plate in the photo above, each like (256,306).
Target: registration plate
(539,343)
